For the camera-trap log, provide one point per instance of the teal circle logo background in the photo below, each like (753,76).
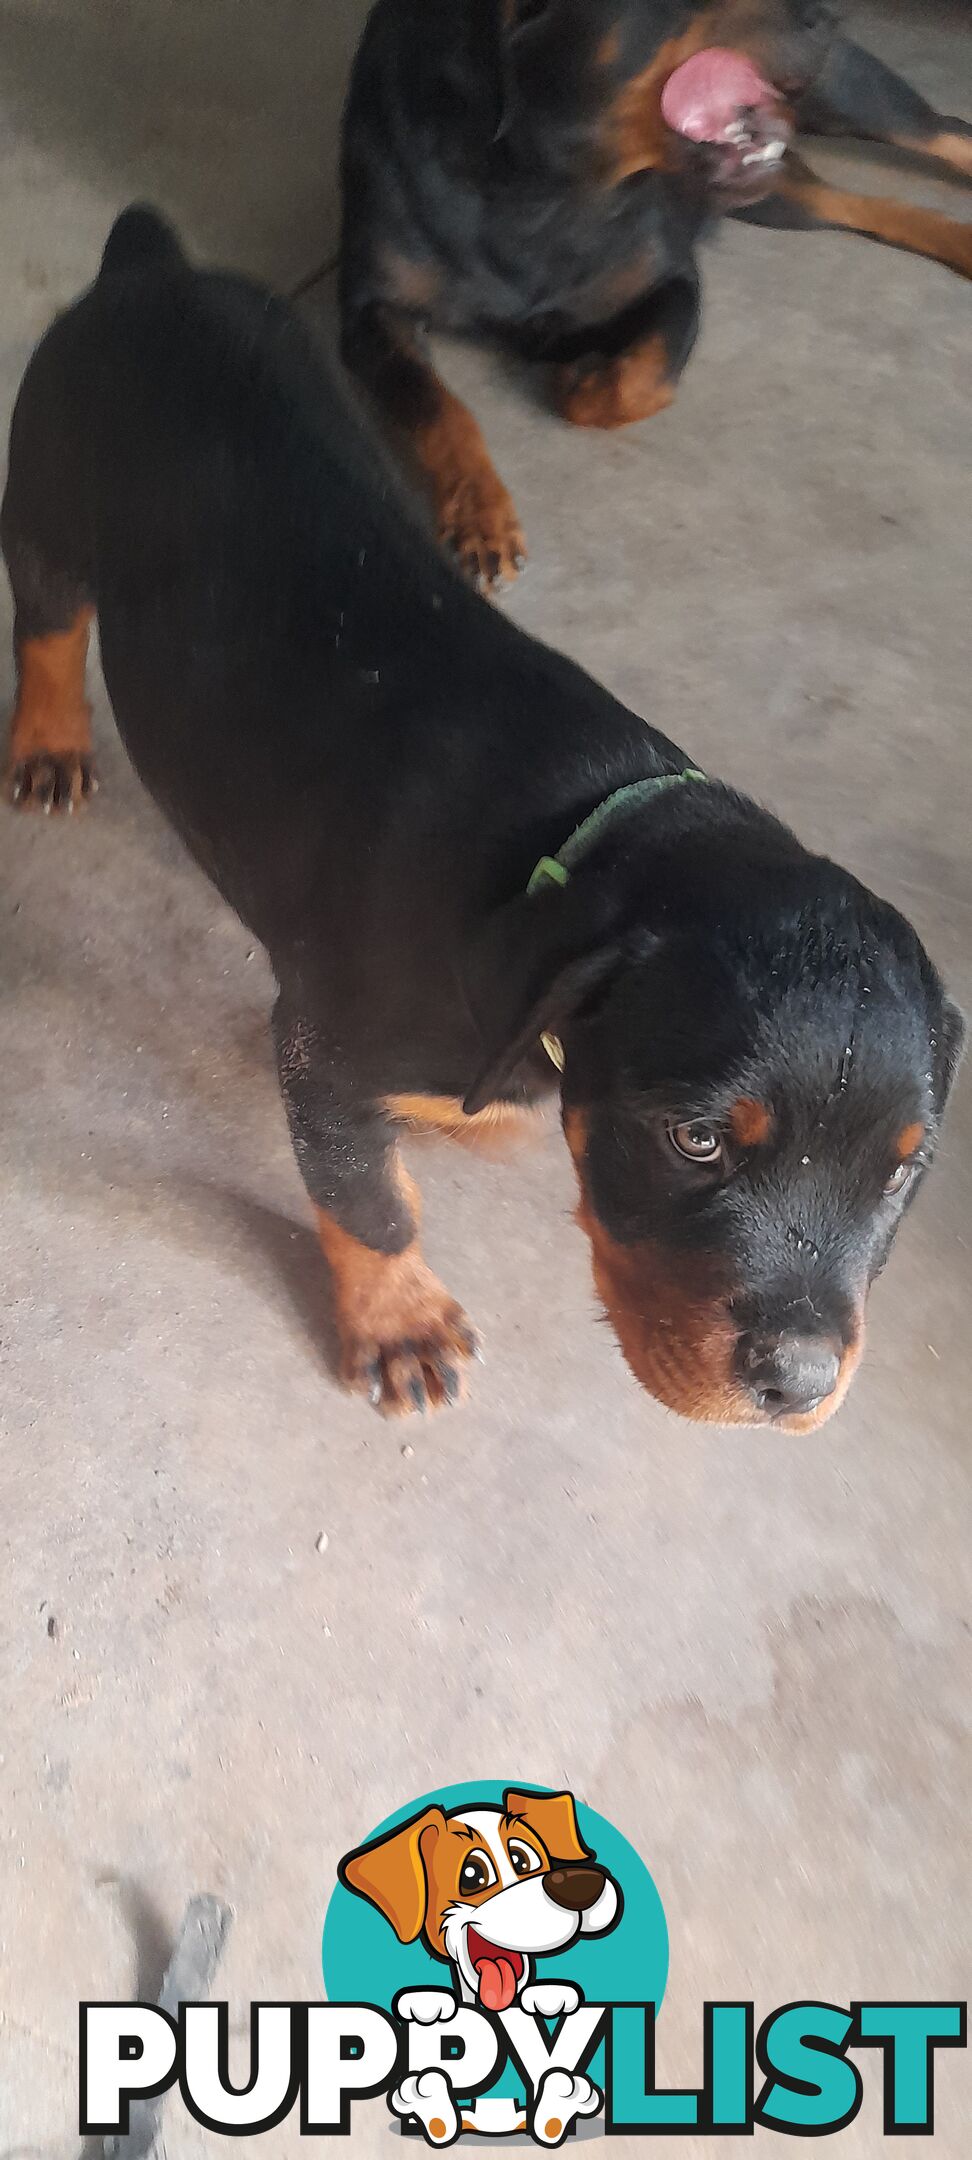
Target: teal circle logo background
(363,1960)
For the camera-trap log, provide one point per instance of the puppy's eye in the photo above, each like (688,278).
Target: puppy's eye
(523,1859)
(698,1143)
(900,1179)
(477,1873)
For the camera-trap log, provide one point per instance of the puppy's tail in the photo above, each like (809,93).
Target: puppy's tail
(140,240)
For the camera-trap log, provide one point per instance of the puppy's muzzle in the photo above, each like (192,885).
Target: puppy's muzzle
(789,1374)
(576,1889)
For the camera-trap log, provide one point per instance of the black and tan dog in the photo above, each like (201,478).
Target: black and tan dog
(470,865)
(541,171)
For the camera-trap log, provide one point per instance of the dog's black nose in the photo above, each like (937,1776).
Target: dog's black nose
(575,1888)
(788,1375)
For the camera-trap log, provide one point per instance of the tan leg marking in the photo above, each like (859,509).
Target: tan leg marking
(901,225)
(50,764)
(612,393)
(955,151)
(476,514)
(405,1343)
(497,1130)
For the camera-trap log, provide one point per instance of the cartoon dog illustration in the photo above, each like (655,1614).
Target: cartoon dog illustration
(489,1890)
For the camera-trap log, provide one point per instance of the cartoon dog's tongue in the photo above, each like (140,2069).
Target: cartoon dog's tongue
(497,1985)
(497,1971)
(705,96)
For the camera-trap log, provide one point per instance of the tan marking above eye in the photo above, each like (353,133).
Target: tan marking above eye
(909,1140)
(751,1122)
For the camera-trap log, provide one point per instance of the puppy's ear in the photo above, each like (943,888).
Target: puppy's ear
(948,1043)
(513,18)
(535,966)
(391,1872)
(553,1819)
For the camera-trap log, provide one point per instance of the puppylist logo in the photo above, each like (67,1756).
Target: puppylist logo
(494,1962)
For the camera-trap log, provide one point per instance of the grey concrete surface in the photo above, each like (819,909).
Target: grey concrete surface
(752,1654)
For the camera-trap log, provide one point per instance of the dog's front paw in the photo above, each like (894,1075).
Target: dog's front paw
(46,781)
(427,2095)
(407,1346)
(551,1998)
(613,393)
(561,2097)
(478,522)
(425,2006)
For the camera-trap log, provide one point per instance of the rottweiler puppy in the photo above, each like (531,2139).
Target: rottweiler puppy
(478,877)
(541,172)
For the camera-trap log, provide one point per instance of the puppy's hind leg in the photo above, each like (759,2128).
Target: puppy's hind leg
(855,94)
(49,763)
(802,201)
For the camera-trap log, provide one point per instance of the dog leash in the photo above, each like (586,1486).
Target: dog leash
(315,277)
(556,869)
(196,1954)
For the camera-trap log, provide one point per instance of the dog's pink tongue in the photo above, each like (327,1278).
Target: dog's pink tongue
(497,1983)
(706,94)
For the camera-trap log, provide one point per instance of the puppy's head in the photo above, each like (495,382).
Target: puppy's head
(488,1888)
(703,86)
(757,1057)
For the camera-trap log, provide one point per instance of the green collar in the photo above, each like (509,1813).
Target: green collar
(556,869)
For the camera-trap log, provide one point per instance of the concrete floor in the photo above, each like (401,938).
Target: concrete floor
(753,1655)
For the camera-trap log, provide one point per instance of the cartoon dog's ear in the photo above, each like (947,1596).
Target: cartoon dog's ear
(391,1872)
(553,1819)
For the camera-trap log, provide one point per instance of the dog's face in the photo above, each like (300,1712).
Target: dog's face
(752,1096)
(750,1114)
(697,86)
(489,1889)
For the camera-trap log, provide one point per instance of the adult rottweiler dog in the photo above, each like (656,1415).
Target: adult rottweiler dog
(541,172)
(478,877)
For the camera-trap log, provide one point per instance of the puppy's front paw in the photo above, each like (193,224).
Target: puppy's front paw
(427,2095)
(561,2097)
(551,1998)
(407,1346)
(425,2006)
(46,781)
(479,523)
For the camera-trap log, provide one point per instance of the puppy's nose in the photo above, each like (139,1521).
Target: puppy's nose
(788,1375)
(575,1888)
